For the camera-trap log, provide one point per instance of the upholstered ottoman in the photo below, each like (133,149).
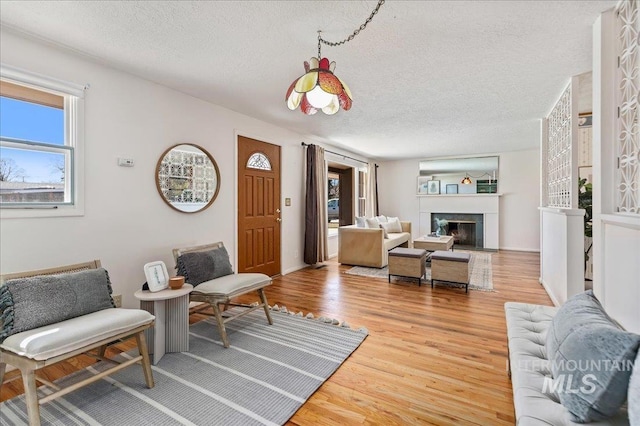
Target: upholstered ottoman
(451,267)
(408,262)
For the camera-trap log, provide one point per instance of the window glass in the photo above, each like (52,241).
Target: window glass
(259,161)
(30,121)
(38,139)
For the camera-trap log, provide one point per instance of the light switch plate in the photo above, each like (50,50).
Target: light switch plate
(287,201)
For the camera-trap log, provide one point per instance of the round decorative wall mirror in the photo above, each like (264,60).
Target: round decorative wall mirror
(187,178)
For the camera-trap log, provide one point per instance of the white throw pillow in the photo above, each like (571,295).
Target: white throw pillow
(384,230)
(381,219)
(393,225)
(372,222)
(361,222)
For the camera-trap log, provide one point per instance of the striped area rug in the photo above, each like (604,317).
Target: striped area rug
(262,379)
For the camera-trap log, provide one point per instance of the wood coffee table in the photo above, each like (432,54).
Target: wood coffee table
(444,242)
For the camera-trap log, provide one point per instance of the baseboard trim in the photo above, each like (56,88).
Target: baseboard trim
(294,269)
(528,250)
(551,296)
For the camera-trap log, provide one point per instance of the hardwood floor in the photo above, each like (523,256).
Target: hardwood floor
(432,356)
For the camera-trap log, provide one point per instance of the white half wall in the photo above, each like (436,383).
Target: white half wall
(126,223)
(519,184)
(562,272)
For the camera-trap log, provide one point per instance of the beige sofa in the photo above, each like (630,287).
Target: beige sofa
(368,247)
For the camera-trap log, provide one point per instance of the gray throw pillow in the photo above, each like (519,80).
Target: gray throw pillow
(222,265)
(28,303)
(361,221)
(594,363)
(196,267)
(578,311)
(200,266)
(633,397)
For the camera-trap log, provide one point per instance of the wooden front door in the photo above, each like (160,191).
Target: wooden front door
(258,207)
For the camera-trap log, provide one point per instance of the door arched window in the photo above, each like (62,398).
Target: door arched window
(259,161)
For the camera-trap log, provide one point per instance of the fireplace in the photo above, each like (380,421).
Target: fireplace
(466,229)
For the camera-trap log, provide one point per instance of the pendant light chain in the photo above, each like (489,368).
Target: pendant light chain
(352,36)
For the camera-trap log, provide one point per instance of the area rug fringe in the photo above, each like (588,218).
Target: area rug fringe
(326,320)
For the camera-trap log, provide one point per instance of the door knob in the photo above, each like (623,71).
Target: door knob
(278,219)
(277,210)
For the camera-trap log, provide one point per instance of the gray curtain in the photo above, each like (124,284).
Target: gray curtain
(315,227)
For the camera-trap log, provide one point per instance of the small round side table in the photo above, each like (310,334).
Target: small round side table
(170,332)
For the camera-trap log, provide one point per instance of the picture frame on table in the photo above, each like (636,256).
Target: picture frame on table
(433,187)
(157,275)
(452,188)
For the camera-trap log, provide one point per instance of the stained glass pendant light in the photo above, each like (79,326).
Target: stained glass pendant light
(319,88)
(466,180)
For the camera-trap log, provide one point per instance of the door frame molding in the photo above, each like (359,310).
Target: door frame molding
(250,135)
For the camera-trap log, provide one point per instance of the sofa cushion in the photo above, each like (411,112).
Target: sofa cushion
(381,219)
(28,303)
(396,239)
(592,363)
(361,221)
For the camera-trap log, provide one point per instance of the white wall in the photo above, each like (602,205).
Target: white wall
(126,224)
(519,182)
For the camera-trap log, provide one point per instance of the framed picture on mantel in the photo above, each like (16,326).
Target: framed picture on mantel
(423,185)
(433,187)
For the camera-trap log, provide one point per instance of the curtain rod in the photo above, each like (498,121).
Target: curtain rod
(337,153)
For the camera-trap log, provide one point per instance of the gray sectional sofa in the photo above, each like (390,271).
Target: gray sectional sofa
(572,365)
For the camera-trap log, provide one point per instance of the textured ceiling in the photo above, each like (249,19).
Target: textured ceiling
(430,78)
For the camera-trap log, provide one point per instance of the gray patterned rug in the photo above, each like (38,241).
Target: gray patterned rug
(480,266)
(262,379)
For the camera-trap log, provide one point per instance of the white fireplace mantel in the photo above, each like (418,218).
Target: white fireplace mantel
(486,204)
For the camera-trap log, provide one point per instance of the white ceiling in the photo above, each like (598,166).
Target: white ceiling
(429,78)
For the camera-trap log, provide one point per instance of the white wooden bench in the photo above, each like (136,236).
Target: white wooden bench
(220,291)
(34,349)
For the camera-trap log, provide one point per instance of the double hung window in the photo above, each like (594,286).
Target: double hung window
(40,144)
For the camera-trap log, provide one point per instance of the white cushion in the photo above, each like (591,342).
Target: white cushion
(395,240)
(66,336)
(361,221)
(381,219)
(372,222)
(392,225)
(232,285)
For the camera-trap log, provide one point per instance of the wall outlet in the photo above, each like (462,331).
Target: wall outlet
(117,299)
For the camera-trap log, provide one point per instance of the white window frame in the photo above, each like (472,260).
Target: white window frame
(73,144)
